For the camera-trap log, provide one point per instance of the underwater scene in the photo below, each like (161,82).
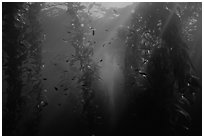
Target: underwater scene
(101,68)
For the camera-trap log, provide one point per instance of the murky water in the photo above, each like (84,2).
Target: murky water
(108,54)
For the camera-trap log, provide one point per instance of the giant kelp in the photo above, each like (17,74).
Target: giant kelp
(21,45)
(164,66)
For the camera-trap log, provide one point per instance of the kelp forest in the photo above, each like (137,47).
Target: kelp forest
(101,69)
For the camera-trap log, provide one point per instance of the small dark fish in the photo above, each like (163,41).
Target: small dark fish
(115,11)
(67,60)
(69,32)
(44,78)
(94,42)
(109,43)
(73,78)
(64,39)
(56,88)
(61,85)
(55,64)
(106,30)
(83,85)
(65,94)
(65,71)
(101,60)
(65,89)
(93,32)
(104,45)
(59,104)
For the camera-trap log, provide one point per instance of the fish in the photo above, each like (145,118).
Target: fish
(65,89)
(65,40)
(56,88)
(115,11)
